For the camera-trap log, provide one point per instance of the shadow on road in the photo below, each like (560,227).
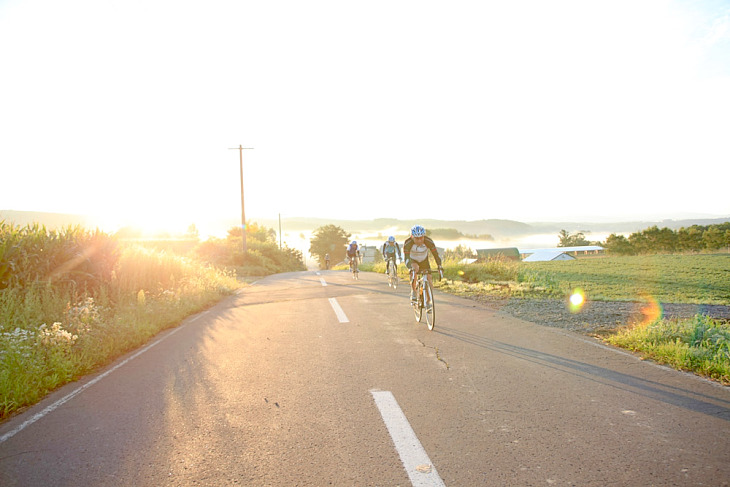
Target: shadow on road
(690,400)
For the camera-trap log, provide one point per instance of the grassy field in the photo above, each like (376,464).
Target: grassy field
(699,278)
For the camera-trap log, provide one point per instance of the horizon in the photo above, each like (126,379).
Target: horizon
(223,224)
(543,234)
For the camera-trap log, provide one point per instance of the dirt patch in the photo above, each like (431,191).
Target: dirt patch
(596,317)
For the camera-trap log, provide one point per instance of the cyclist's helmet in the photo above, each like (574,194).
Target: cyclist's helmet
(391,239)
(418,231)
(353,242)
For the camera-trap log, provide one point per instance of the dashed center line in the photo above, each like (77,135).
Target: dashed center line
(415,459)
(338,311)
(321,279)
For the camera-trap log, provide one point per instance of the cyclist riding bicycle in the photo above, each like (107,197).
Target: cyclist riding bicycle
(415,250)
(327,261)
(390,248)
(353,251)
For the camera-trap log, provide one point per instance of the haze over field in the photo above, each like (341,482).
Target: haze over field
(531,111)
(478,234)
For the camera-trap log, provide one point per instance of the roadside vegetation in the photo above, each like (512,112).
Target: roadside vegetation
(700,345)
(74,300)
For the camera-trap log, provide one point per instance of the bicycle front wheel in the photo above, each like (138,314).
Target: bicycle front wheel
(418,304)
(430,306)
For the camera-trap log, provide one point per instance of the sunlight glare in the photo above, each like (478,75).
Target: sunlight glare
(577,300)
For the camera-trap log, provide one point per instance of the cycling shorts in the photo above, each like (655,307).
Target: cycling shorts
(423,265)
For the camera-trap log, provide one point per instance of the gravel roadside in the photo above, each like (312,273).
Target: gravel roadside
(596,317)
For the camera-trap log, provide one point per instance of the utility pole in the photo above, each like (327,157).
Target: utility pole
(240,148)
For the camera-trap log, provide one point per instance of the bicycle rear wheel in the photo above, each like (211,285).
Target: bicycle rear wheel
(392,275)
(430,306)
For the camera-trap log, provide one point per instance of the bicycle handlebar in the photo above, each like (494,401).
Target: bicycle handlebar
(429,271)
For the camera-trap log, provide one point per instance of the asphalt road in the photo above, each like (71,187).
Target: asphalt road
(277,386)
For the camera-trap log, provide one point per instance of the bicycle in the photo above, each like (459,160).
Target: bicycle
(392,273)
(424,298)
(353,268)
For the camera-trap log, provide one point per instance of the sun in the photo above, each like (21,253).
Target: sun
(145,224)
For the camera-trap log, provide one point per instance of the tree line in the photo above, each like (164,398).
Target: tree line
(697,238)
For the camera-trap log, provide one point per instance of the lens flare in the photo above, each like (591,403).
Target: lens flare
(648,310)
(577,300)
(461,273)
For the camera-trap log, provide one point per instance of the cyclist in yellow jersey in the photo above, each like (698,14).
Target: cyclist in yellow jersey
(415,251)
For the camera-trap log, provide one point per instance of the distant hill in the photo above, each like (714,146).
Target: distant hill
(494,227)
(51,221)
(480,227)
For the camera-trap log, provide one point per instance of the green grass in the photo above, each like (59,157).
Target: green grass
(700,278)
(700,345)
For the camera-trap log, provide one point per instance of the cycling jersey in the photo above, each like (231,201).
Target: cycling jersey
(352,251)
(419,253)
(389,251)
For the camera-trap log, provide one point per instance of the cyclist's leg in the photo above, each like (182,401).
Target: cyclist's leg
(426,266)
(414,278)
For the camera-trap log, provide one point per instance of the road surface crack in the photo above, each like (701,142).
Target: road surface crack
(438,354)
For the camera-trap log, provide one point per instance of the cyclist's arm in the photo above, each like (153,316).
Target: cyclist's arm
(432,246)
(407,252)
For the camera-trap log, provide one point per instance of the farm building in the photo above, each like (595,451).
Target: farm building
(548,255)
(368,253)
(571,251)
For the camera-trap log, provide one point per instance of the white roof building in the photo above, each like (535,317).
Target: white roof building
(569,253)
(547,255)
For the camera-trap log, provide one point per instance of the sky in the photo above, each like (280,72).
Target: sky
(465,110)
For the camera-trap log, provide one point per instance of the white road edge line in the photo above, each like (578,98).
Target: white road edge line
(49,409)
(338,311)
(415,459)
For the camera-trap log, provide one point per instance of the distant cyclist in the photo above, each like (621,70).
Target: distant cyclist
(353,251)
(390,249)
(415,251)
(327,261)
